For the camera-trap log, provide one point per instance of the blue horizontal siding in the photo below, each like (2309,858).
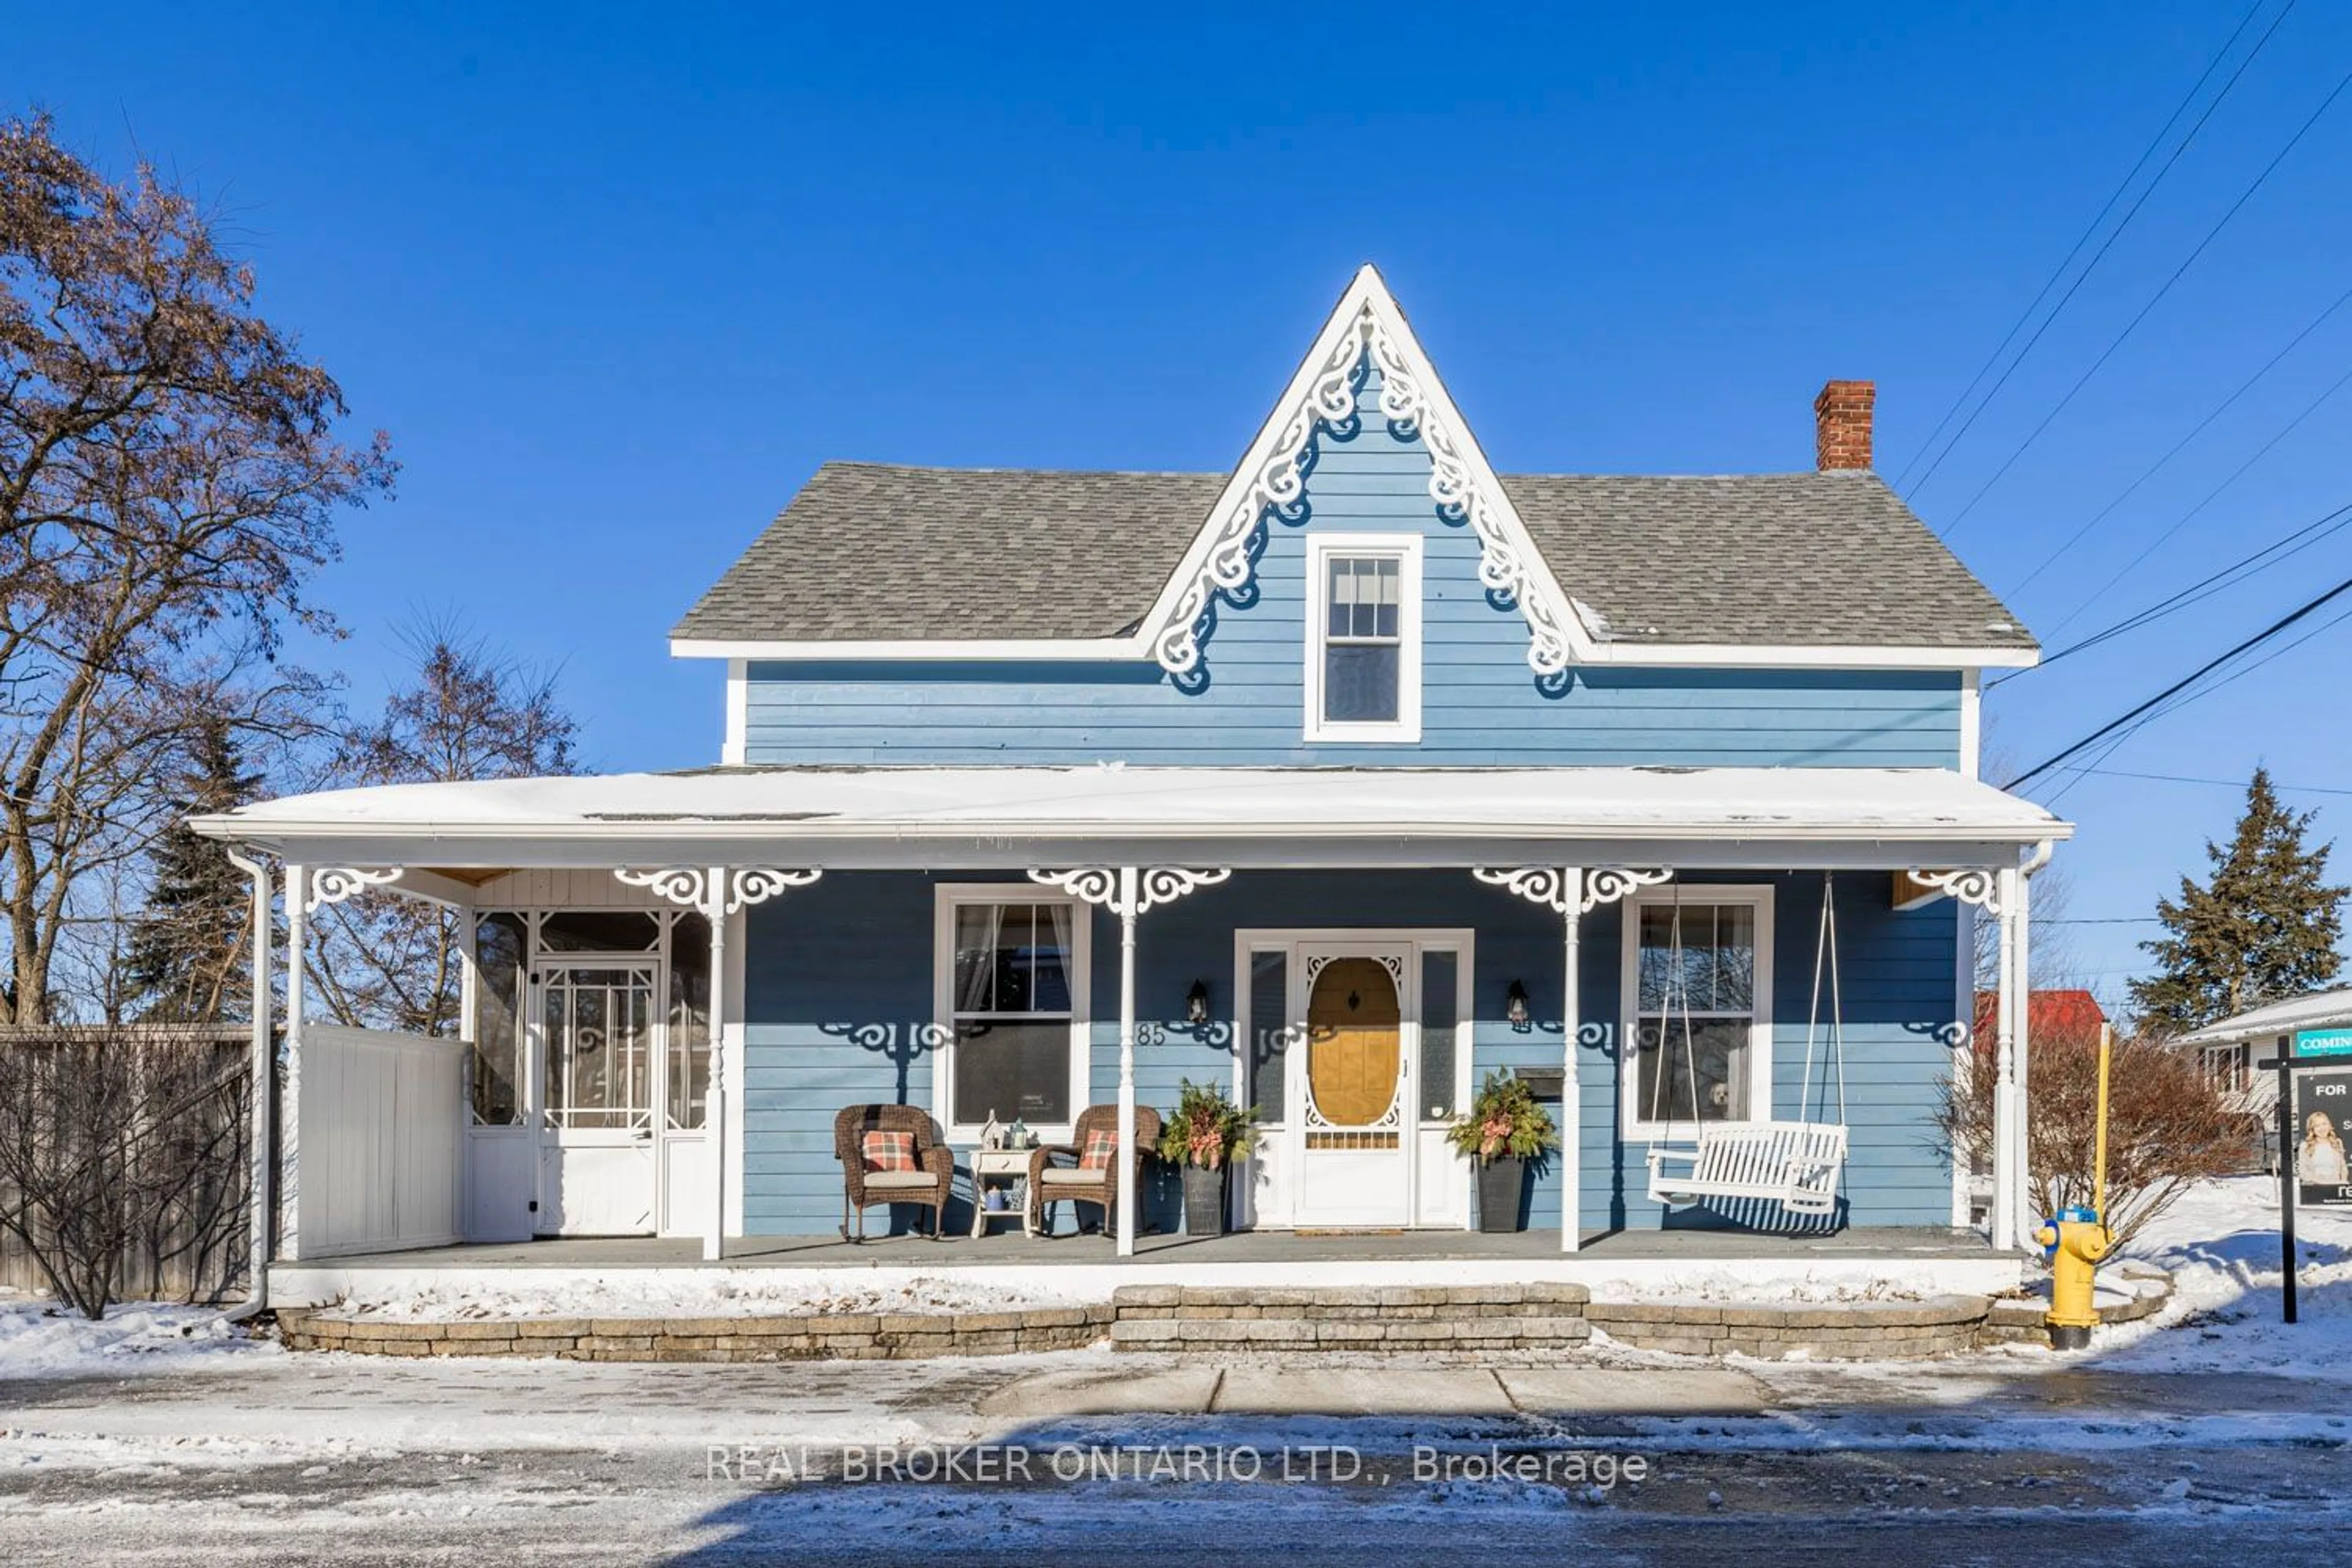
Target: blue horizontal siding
(1481,705)
(837,1006)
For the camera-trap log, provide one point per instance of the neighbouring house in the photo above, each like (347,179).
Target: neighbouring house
(1342,779)
(2232,1050)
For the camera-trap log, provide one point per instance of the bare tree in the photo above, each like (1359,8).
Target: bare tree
(169,471)
(119,1146)
(469,711)
(2169,1126)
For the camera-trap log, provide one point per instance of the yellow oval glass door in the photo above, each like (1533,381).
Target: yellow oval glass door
(1355,1047)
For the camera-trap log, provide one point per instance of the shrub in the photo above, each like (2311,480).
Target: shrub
(2169,1126)
(119,1145)
(1503,1122)
(1206,1129)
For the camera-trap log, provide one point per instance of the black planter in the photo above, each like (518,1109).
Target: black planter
(1204,1201)
(1502,1186)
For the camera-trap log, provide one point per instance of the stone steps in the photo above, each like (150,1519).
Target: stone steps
(1421,1317)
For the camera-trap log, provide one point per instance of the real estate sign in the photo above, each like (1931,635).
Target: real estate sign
(2335,1042)
(2322,1130)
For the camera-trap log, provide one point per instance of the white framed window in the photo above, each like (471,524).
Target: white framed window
(1010,971)
(1363,636)
(1698,989)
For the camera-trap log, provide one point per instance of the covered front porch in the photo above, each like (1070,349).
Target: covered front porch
(759,948)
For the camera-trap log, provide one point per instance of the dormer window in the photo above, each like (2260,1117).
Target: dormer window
(1363,638)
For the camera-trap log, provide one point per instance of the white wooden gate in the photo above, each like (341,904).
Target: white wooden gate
(381,1120)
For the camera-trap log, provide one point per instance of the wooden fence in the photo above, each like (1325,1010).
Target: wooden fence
(201,1252)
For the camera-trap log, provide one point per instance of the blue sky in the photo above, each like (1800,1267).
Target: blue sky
(617,278)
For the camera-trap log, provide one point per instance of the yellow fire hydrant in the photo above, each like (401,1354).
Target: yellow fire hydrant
(2074,1240)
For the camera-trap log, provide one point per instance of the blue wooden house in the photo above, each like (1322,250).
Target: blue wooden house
(1342,780)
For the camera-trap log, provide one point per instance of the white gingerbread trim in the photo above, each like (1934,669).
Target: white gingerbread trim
(729,889)
(1154,885)
(333,884)
(1554,886)
(1611,884)
(1366,321)
(1979,886)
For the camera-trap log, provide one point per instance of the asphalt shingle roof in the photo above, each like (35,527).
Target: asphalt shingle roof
(883,553)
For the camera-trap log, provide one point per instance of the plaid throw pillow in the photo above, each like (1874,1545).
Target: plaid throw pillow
(888,1151)
(1100,1150)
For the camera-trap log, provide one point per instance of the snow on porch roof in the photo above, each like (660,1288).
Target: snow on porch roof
(805,809)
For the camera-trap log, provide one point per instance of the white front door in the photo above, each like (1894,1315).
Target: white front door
(599,1043)
(1351,1083)
(1354,1048)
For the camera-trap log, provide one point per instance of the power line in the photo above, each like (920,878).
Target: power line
(2153,545)
(2175,450)
(2241,569)
(2178,703)
(2222,783)
(2211,66)
(2154,299)
(2104,730)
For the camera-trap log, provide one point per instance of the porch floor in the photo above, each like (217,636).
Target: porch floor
(1881,1244)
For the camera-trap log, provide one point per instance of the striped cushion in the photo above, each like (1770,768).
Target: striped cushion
(888,1151)
(1098,1152)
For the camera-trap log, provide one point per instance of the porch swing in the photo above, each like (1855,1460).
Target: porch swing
(1793,1163)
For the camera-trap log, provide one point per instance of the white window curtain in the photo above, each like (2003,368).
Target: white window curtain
(978,927)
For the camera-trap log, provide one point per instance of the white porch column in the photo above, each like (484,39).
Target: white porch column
(2021,1168)
(290,1114)
(716,1103)
(1127,1159)
(720,892)
(2008,1008)
(1570,892)
(265,1079)
(1128,891)
(1571,1096)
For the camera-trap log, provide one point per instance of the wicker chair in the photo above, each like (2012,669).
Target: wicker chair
(925,1185)
(1050,1184)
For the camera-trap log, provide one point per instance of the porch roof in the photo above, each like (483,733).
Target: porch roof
(1016,816)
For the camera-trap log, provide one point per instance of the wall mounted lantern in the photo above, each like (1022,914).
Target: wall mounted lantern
(1196,1004)
(1515,1005)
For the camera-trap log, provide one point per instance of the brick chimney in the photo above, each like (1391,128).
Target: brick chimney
(1842,425)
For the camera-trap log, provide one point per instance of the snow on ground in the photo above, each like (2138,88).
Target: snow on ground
(741,1294)
(41,1339)
(2221,1244)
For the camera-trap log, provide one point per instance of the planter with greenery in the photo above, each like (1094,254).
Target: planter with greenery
(1502,1131)
(1203,1135)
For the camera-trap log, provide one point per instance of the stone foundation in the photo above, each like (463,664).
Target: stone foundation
(1419,1319)
(1838,1330)
(1440,1321)
(837,1337)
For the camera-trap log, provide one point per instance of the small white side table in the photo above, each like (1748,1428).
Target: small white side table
(1010,1169)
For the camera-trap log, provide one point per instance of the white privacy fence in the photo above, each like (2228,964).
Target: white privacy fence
(373,1151)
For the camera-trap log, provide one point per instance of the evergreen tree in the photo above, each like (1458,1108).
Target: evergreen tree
(2264,928)
(189,959)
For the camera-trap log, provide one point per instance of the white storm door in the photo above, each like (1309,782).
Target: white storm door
(1351,1084)
(600,1049)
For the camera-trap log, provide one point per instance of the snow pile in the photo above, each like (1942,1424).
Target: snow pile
(40,1338)
(778,1293)
(2221,1244)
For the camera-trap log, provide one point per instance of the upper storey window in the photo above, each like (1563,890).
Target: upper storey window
(1363,638)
